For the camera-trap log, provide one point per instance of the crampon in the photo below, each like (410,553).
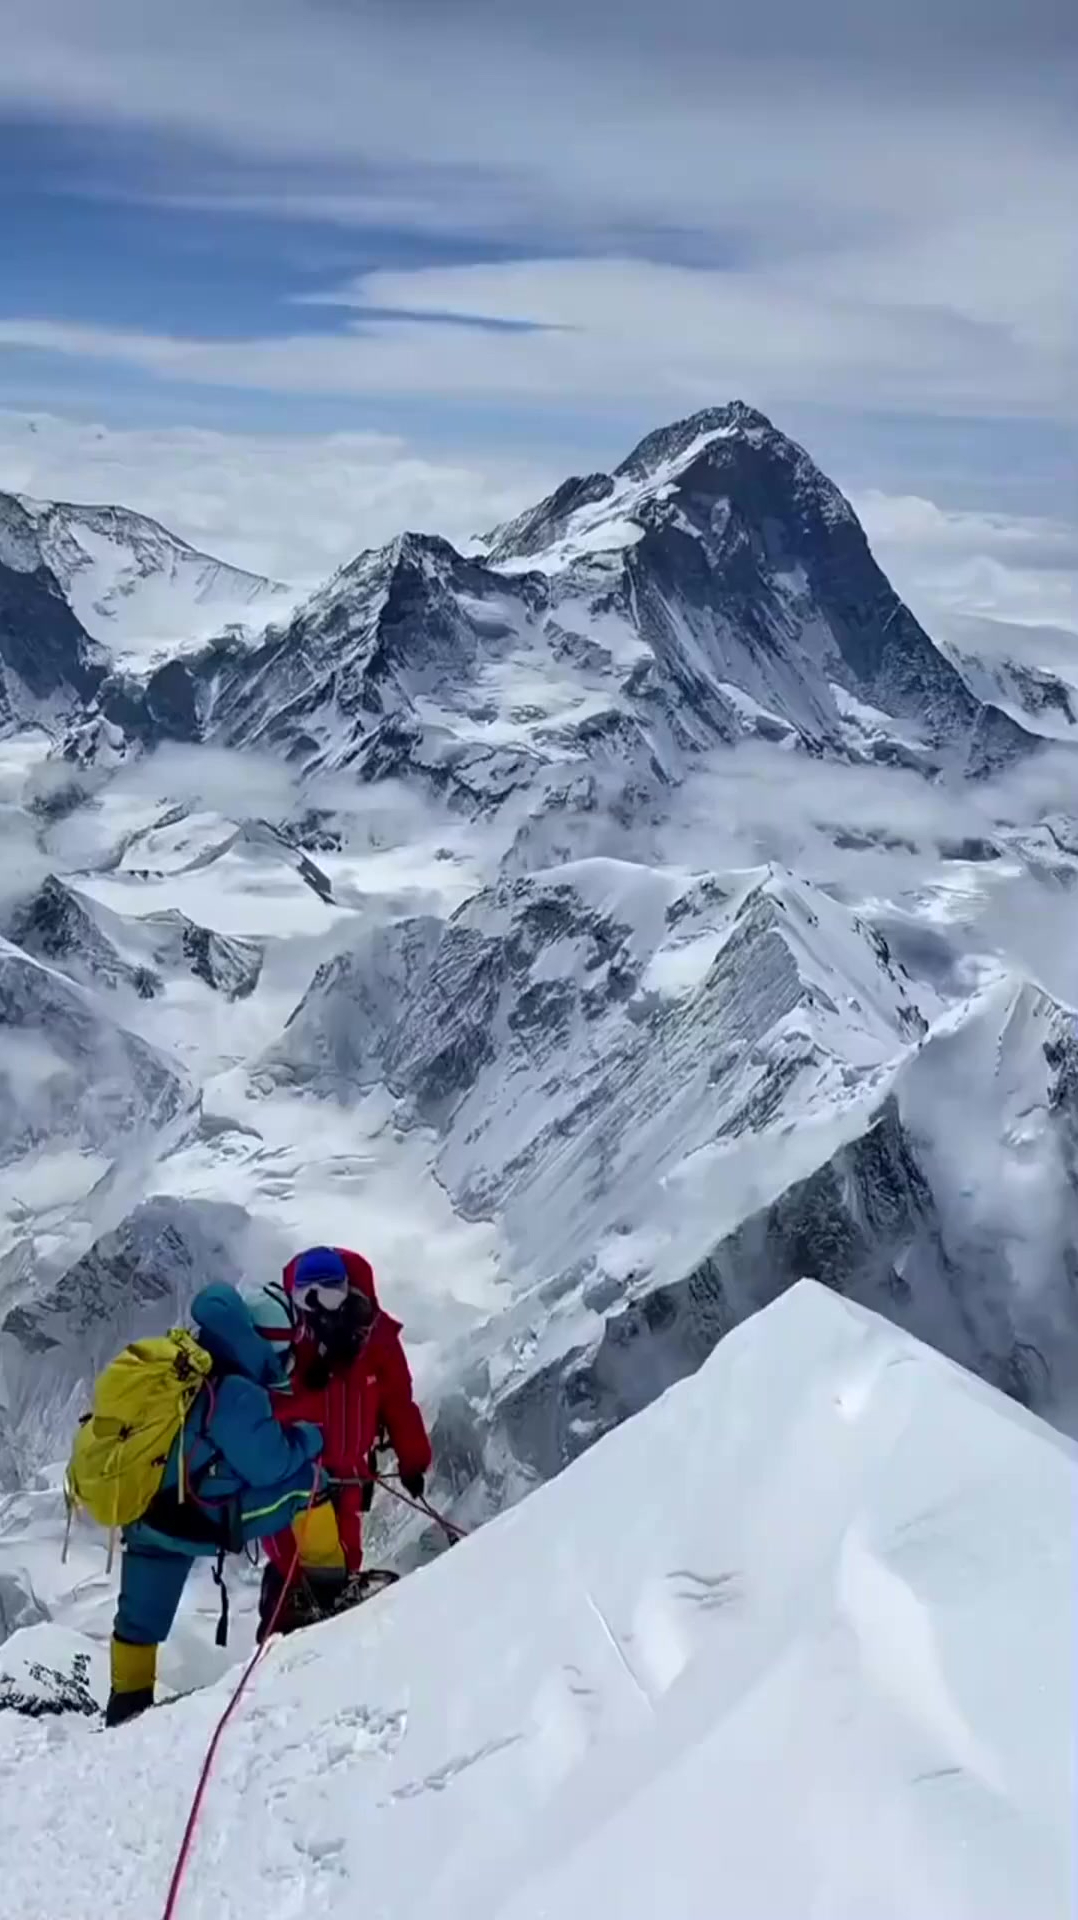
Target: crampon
(303,1608)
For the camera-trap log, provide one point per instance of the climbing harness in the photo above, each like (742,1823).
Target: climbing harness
(220,1638)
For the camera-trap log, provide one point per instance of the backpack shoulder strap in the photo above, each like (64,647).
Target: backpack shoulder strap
(207,1401)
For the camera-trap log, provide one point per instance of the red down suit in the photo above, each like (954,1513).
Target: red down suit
(372,1395)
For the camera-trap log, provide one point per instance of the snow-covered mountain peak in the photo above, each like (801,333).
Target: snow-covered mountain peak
(746,452)
(715,586)
(849,978)
(96,946)
(378,586)
(739,567)
(425,553)
(731,446)
(577,1035)
(667,448)
(602,513)
(137,588)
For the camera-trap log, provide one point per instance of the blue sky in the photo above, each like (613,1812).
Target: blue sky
(509,241)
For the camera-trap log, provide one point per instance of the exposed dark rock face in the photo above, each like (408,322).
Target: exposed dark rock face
(48,663)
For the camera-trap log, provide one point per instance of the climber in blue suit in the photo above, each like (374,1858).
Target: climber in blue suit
(245,1477)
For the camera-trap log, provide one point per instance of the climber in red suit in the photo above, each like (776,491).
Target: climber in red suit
(350,1376)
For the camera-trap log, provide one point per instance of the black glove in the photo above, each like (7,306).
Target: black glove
(415,1484)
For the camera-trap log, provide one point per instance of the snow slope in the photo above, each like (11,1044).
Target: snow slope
(744,574)
(765,1651)
(140,590)
(580,1033)
(68,1072)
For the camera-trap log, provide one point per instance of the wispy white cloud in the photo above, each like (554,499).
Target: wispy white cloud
(720,109)
(906,520)
(24,866)
(881,834)
(891,199)
(961,567)
(289,505)
(596,331)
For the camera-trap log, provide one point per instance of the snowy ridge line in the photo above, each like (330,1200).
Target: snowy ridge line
(140,590)
(807,1629)
(717,586)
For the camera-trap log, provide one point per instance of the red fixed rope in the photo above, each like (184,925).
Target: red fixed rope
(183,1857)
(452,1532)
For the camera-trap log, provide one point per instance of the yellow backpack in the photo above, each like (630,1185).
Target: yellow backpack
(141,1402)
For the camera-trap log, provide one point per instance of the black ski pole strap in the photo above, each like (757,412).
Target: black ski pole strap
(221,1636)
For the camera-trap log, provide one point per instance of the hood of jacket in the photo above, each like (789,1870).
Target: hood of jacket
(227,1331)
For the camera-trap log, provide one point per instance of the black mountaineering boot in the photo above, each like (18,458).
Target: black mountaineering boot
(313,1597)
(325,1585)
(272,1587)
(124,1706)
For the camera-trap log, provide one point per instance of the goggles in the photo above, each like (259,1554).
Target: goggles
(321,1297)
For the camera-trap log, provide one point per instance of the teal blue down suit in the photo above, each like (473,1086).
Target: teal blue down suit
(245,1478)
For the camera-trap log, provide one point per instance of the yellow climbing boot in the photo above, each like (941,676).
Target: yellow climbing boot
(134,1674)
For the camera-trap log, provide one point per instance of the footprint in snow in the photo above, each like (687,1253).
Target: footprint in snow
(444,1777)
(304,1878)
(709,1592)
(352,1732)
(328,1857)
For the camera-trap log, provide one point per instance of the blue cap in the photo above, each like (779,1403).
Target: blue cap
(320,1267)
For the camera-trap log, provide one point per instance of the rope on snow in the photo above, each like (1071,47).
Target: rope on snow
(183,1857)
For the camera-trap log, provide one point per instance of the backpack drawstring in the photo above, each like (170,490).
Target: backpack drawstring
(111,1555)
(181,1475)
(221,1636)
